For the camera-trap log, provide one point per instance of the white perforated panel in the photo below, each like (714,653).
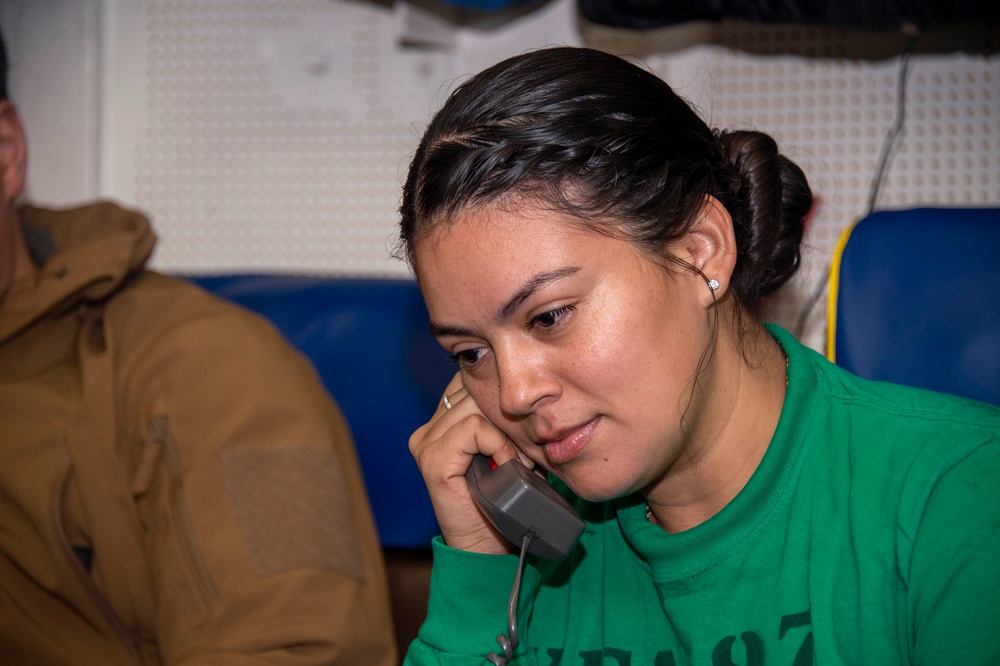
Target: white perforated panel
(274,135)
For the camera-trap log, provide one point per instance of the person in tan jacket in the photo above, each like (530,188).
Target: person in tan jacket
(176,487)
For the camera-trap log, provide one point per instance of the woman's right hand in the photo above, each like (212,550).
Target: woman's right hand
(443,448)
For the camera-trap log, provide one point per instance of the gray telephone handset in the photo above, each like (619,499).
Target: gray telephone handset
(518,502)
(531,515)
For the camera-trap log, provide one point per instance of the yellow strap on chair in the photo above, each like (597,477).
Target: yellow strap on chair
(833,290)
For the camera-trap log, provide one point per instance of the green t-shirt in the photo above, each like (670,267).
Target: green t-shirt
(869,534)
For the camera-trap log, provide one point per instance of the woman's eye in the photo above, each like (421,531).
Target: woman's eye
(467,357)
(550,318)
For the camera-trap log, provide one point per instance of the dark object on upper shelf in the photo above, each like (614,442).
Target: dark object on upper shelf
(848,14)
(487,5)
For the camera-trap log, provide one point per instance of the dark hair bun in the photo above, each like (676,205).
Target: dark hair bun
(771,199)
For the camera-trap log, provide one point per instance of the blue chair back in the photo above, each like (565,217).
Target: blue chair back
(915,299)
(369,342)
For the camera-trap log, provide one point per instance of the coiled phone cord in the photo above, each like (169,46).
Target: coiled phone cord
(510,644)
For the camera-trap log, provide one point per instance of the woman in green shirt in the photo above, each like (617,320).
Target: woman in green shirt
(596,260)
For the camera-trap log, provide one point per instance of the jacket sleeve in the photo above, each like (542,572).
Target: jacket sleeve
(467,609)
(951,570)
(259,537)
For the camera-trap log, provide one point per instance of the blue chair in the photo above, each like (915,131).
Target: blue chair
(370,343)
(915,299)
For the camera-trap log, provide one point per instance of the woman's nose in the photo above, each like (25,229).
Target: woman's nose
(526,379)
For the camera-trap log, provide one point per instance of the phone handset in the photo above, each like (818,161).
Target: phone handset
(531,515)
(520,503)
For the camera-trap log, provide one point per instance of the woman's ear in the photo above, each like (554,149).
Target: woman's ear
(13,153)
(710,247)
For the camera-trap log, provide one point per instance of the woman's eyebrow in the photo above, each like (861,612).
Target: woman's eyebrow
(530,287)
(444,331)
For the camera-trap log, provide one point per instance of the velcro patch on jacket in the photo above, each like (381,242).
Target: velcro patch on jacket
(292,510)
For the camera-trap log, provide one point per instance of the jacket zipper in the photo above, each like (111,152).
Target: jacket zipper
(159,429)
(70,558)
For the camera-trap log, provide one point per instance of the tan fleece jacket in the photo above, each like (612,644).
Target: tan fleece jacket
(176,487)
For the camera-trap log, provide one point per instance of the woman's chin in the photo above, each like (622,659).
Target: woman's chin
(597,490)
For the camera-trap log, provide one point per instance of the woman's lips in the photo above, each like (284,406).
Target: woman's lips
(569,445)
